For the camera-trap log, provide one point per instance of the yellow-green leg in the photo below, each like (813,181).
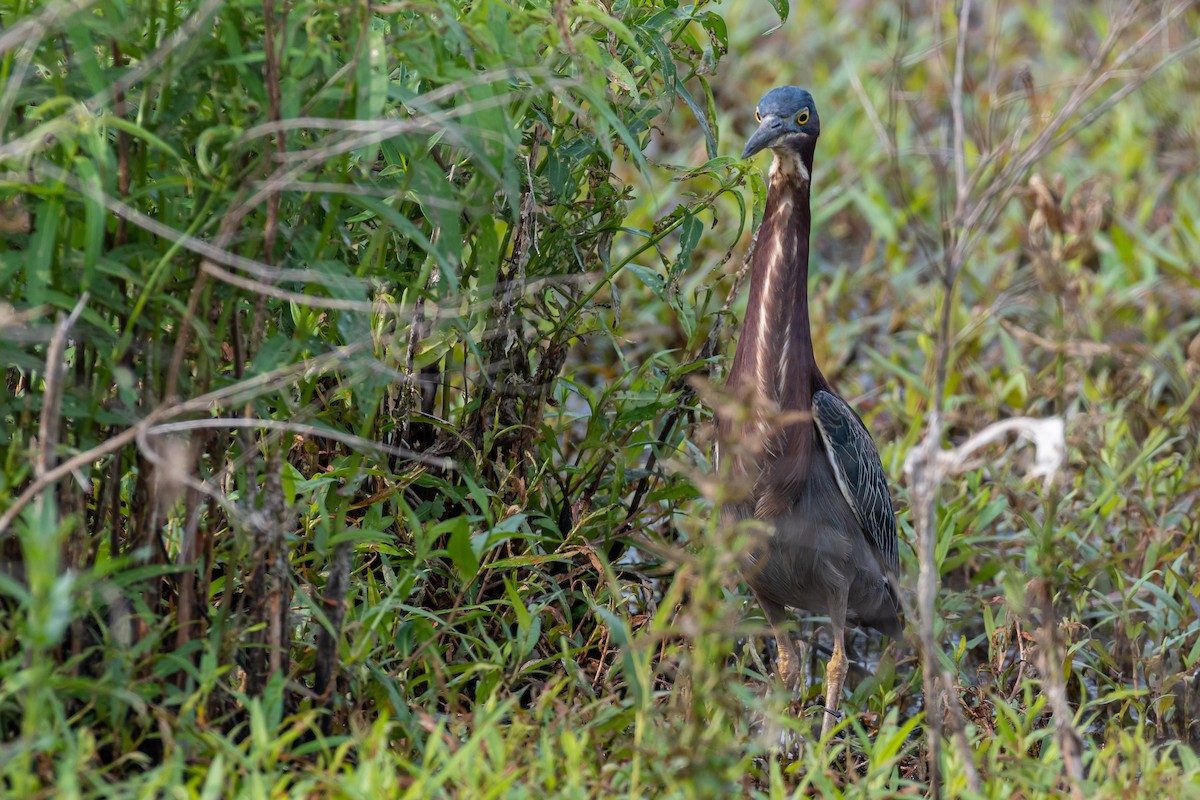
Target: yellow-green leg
(789,661)
(835,679)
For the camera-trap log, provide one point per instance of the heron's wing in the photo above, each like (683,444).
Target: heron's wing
(859,472)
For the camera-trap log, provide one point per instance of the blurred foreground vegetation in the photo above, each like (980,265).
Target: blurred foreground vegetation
(358,362)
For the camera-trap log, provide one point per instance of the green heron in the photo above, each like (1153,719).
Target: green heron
(817,480)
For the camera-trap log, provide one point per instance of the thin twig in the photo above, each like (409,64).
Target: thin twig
(956,106)
(228,395)
(1048,657)
(52,395)
(864,100)
(312,431)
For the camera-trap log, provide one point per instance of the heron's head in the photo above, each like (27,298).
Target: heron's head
(788,124)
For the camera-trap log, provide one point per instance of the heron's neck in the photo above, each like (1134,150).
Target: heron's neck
(775,352)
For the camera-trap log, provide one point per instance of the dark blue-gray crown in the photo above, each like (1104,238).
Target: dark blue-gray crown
(787,117)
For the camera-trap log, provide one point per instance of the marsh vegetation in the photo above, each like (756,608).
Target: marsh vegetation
(359,362)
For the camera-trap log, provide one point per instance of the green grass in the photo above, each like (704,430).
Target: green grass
(399,332)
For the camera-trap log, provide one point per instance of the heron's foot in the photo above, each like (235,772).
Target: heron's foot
(829,721)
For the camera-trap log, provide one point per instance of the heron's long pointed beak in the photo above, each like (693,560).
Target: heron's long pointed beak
(770,128)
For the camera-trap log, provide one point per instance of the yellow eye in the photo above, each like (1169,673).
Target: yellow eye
(757,116)
(802,117)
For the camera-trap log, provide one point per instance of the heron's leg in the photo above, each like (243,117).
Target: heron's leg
(836,669)
(789,660)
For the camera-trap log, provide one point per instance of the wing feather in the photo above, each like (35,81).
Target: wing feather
(859,473)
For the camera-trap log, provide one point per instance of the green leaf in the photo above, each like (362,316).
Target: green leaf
(782,8)
(710,138)
(462,550)
(94,218)
(717,31)
(690,231)
(39,266)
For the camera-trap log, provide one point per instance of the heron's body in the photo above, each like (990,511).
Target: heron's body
(816,478)
(817,560)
